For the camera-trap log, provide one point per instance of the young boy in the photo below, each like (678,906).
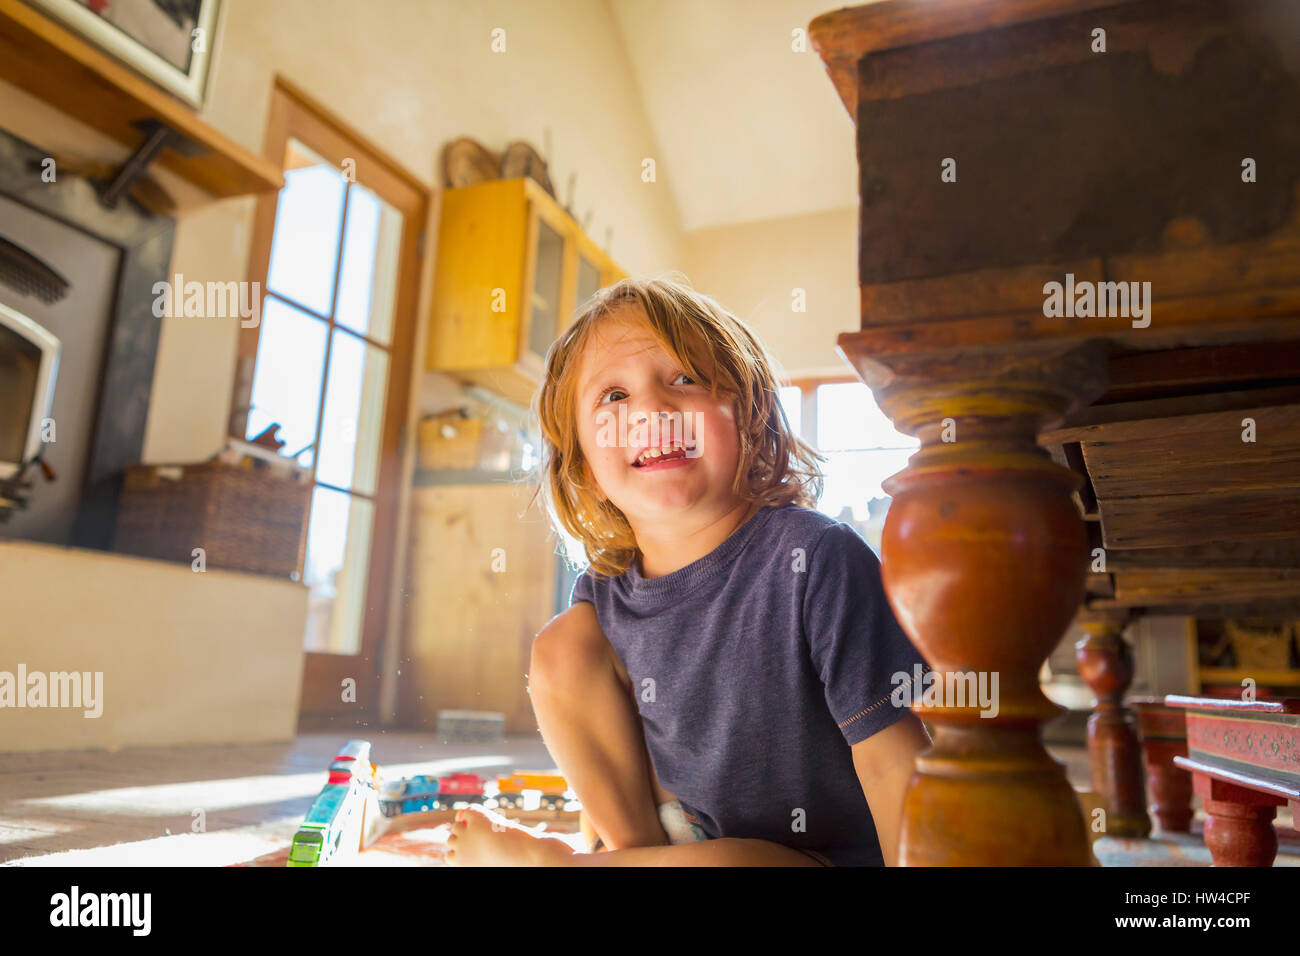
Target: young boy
(719,691)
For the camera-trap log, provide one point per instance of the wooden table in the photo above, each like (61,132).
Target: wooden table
(1127,462)
(1244,759)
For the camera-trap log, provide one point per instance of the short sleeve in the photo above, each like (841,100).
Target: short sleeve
(856,643)
(582,590)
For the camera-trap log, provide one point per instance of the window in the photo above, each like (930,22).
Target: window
(322,373)
(843,422)
(330,364)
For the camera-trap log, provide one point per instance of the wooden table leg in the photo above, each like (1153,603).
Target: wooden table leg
(1106,666)
(1163,732)
(983,559)
(1171,786)
(1239,828)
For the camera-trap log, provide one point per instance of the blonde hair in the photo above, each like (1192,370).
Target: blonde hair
(776,467)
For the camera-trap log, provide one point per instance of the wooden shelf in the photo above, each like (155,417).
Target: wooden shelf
(1235,675)
(53,64)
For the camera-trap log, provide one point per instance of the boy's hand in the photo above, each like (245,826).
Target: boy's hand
(885,762)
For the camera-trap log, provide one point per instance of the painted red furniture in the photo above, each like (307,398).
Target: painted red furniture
(1163,731)
(1245,763)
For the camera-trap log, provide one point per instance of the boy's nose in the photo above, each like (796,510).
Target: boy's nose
(647,416)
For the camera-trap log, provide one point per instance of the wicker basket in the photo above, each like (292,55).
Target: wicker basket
(244,519)
(1265,645)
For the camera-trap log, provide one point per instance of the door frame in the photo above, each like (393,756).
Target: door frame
(293,113)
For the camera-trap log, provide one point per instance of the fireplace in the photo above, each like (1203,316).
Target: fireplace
(29,362)
(78,341)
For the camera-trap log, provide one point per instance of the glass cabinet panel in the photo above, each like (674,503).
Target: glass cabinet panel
(548,280)
(588,280)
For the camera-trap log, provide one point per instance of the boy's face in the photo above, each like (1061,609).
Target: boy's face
(625,365)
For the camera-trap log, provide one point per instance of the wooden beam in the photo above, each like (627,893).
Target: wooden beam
(1140,421)
(842,37)
(1177,521)
(1193,587)
(1145,375)
(1226,555)
(1225,607)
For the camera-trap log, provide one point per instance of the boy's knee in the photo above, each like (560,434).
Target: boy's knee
(568,649)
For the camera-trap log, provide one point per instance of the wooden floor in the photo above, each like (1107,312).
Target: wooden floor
(253,798)
(57,801)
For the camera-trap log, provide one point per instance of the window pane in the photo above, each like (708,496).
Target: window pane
(368,274)
(853,478)
(288,375)
(305,245)
(338,551)
(546,289)
(352,427)
(852,491)
(792,401)
(848,417)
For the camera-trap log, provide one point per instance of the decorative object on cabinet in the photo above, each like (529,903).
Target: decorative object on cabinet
(521,160)
(512,267)
(467,162)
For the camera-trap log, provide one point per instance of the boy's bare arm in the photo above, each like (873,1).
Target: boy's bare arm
(582,698)
(885,762)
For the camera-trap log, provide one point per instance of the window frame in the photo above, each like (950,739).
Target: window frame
(294,114)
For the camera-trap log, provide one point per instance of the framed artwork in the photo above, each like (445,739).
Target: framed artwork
(168,41)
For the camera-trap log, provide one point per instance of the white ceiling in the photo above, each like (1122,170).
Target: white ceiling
(746,128)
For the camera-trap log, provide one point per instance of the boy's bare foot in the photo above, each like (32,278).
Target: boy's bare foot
(480,837)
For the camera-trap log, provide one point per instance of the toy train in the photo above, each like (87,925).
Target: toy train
(343,817)
(455,790)
(355,806)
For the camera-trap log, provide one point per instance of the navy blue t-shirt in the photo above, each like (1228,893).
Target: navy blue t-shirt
(755,669)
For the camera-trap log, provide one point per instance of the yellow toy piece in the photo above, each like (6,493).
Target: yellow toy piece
(552,786)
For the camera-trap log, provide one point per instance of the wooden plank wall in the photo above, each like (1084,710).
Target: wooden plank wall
(470,628)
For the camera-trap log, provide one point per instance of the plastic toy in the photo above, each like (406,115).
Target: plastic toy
(355,807)
(345,816)
(552,786)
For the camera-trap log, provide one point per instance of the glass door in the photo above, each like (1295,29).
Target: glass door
(331,367)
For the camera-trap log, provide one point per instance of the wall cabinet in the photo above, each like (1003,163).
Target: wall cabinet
(512,268)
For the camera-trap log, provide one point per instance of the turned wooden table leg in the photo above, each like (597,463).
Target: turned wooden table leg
(1171,787)
(1239,828)
(1163,732)
(983,559)
(1106,666)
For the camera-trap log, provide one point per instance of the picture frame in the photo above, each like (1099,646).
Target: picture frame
(153,37)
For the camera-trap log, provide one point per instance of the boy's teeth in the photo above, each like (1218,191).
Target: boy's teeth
(652,453)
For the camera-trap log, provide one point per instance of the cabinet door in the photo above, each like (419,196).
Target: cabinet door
(549,284)
(589,279)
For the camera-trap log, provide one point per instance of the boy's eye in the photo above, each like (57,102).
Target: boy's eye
(610,389)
